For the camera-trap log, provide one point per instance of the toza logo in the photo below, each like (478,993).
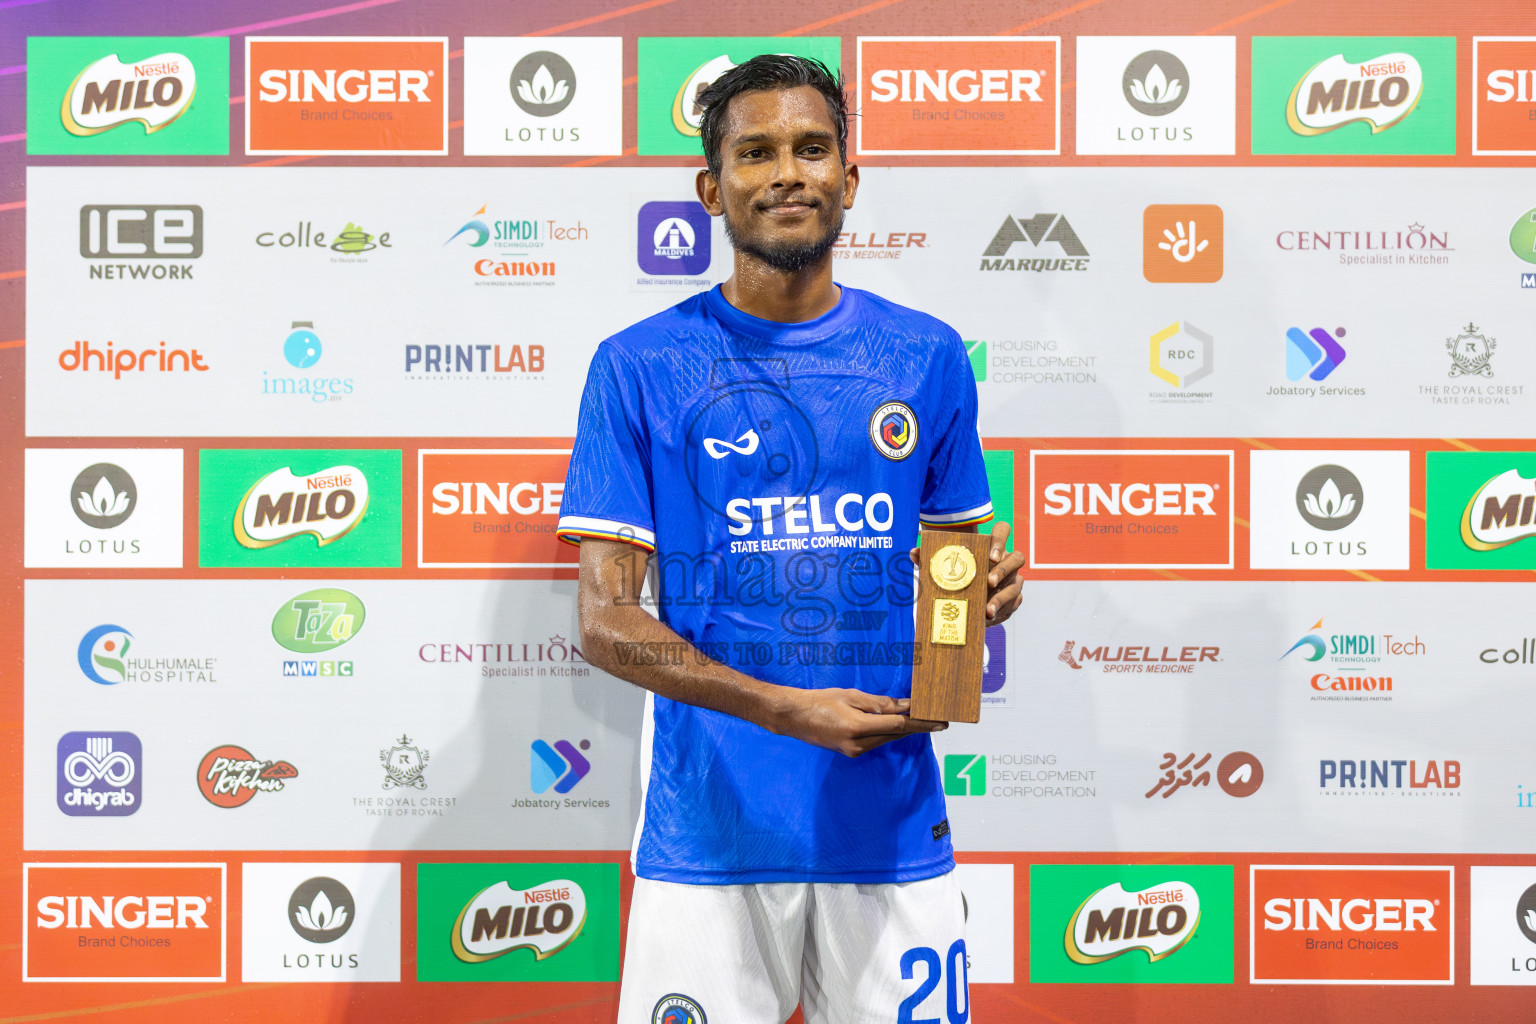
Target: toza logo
(405,765)
(500,919)
(318,620)
(1112,922)
(561,766)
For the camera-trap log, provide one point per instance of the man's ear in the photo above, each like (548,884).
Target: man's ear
(709,193)
(850,185)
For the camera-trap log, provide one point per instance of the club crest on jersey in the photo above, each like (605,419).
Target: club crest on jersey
(893,429)
(677,1008)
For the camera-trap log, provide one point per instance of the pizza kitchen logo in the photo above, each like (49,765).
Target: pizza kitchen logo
(230,776)
(281,506)
(499,919)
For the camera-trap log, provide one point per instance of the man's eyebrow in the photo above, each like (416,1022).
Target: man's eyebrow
(818,134)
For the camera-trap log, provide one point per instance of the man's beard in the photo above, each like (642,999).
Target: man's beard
(791,257)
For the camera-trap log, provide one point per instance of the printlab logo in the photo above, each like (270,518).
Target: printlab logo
(405,764)
(136,233)
(1329,497)
(229,776)
(965,774)
(1471,353)
(1038,230)
(543,83)
(1182,243)
(1156,83)
(100,774)
(674,239)
(103,496)
(1312,354)
(321,910)
(1239,774)
(560,766)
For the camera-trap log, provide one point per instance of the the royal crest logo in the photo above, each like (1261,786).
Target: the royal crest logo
(1336,92)
(500,919)
(281,506)
(1112,922)
(230,776)
(108,93)
(1500,512)
(1471,353)
(893,430)
(405,765)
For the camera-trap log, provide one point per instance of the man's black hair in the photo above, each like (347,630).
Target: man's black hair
(763,72)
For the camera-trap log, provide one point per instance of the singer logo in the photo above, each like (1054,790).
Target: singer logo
(1131,509)
(122,922)
(346,96)
(1503,96)
(1314,925)
(492,508)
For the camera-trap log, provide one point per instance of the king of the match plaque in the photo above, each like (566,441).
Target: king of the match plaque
(951,623)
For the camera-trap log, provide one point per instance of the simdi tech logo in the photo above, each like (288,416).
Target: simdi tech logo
(1351,925)
(127,95)
(299,507)
(530,96)
(1480,510)
(958,95)
(517,922)
(675,71)
(491,508)
(1503,95)
(1360,95)
(123,922)
(1156,509)
(1124,923)
(348,96)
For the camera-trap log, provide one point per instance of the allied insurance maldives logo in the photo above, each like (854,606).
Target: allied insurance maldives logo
(1131,509)
(346,96)
(1481,510)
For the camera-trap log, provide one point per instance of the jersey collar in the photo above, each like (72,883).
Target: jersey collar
(830,322)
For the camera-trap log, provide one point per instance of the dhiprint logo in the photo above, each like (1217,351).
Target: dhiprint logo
(100,774)
(893,430)
(560,766)
(500,919)
(229,776)
(1314,354)
(1036,230)
(965,774)
(1182,243)
(321,910)
(104,496)
(102,652)
(1156,83)
(1329,497)
(674,238)
(543,83)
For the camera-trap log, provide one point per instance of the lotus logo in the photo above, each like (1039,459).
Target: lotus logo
(1315,645)
(746,444)
(1500,512)
(321,910)
(499,919)
(1155,83)
(1525,913)
(543,83)
(103,496)
(1329,497)
(1113,921)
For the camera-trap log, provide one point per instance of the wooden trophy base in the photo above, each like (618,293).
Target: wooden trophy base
(951,625)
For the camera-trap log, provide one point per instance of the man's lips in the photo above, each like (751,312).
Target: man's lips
(789,207)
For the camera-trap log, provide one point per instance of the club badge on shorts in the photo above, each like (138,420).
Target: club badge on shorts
(677,1009)
(893,429)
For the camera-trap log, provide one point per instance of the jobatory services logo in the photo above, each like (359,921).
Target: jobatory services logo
(349,96)
(320,922)
(1182,244)
(1328,509)
(1156,509)
(1053,246)
(1313,354)
(100,774)
(1181,354)
(1503,95)
(517,922)
(1352,924)
(538,96)
(1503,921)
(123,922)
(103,507)
(674,72)
(146,237)
(127,95)
(229,776)
(1480,510)
(104,658)
(1156,95)
(559,767)
(299,507)
(958,95)
(1125,923)
(491,508)
(1354,95)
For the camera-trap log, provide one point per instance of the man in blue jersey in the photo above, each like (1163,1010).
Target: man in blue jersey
(776,444)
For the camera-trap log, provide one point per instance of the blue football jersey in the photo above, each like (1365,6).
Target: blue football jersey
(780,473)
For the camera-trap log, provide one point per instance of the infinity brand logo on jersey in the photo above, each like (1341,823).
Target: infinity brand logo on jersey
(1363,925)
(1129,923)
(346,95)
(1378,778)
(123,922)
(1151,658)
(560,766)
(1156,95)
(141,233)
(1182,244)
(100,774)
(103,658)
(1319,94)
(537,96)
(518,922)
(1503,95)
(958,95)
(101,489)
(1131,509)
(492,507)
(673,239)
(1328,509)
(127,95)
(1481,510)
(1038,230)
(229,776)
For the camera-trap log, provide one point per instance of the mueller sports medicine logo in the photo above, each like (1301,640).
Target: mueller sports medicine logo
(134,233)
(1351,925)
(346,95)
(1049,236)
(1131,509)
(1503,96)
(100,774)
(545,919)
(1336,92)
(109,93)
(123,922)
(229,776)
(281,506)
(1112,922)
(1155,658)
(489,507)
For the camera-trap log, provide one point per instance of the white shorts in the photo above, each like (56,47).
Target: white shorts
(748,954)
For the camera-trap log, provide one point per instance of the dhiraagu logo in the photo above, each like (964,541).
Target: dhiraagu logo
(965,774)
(674,72)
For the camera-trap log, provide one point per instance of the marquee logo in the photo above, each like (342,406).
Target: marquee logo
(958,95)
(1503,95)
(346,95)
(1131,509)
(229,776)
(1112,922)
(281,506)
(544,919)
(1364,925)
(123,922)
(1038,230)
(100,774)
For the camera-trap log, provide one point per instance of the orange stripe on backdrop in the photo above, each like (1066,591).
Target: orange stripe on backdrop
(18,343)
(824,22)
(1459,444)
(1257,12)
(13,206)
(12,273)
(1064,12)
(594,19)
(138,1004)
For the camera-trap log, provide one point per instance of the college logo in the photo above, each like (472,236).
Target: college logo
(127,95)
(560,766)
(280,506)
(522,97)
(1351,925)
(675,72)
(141,233)
(1480,506)
(321,910)
(100,774)
(318,621)
(958,95)
(673,238)
(351,241)
(1131,509)
(492,508)
(1309,509)
(1128,923)
(676,1008)
(123,922)
(320,922)
(347,96)
(893,430)
(104,496)
(1042,228)
(1182,244)
(1150,95)
(405,765)
(1503,95)
(1354,95)
(229,776)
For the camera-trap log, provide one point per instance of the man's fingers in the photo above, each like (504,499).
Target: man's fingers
(1009,566)
(895,725)
(1000,533)
(877,704)
(1004,598)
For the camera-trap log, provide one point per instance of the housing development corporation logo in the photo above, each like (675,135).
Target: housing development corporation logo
(965,774)
(957,95)
(1480,510)
(1182,244)
(1156,95)
(100,774)
(1063,250)
(1503,95)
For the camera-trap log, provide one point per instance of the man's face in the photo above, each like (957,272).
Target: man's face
(782,187)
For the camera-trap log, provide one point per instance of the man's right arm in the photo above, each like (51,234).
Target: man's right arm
(847,721)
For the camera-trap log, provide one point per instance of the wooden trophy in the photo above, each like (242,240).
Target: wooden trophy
(951,625)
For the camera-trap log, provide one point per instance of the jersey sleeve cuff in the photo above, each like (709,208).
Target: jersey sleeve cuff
(967,517)
(573,529)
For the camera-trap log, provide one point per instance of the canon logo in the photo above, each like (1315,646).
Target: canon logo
(965,86)
(1138,499)
(121,912)
(1356,915)
(296,85)
(502,497)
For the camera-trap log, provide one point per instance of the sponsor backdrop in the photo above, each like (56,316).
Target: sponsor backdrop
(296,303)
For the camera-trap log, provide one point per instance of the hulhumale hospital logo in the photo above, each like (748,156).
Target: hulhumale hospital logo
(102,652)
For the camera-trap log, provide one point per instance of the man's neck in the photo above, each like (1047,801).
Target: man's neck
(786,297)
